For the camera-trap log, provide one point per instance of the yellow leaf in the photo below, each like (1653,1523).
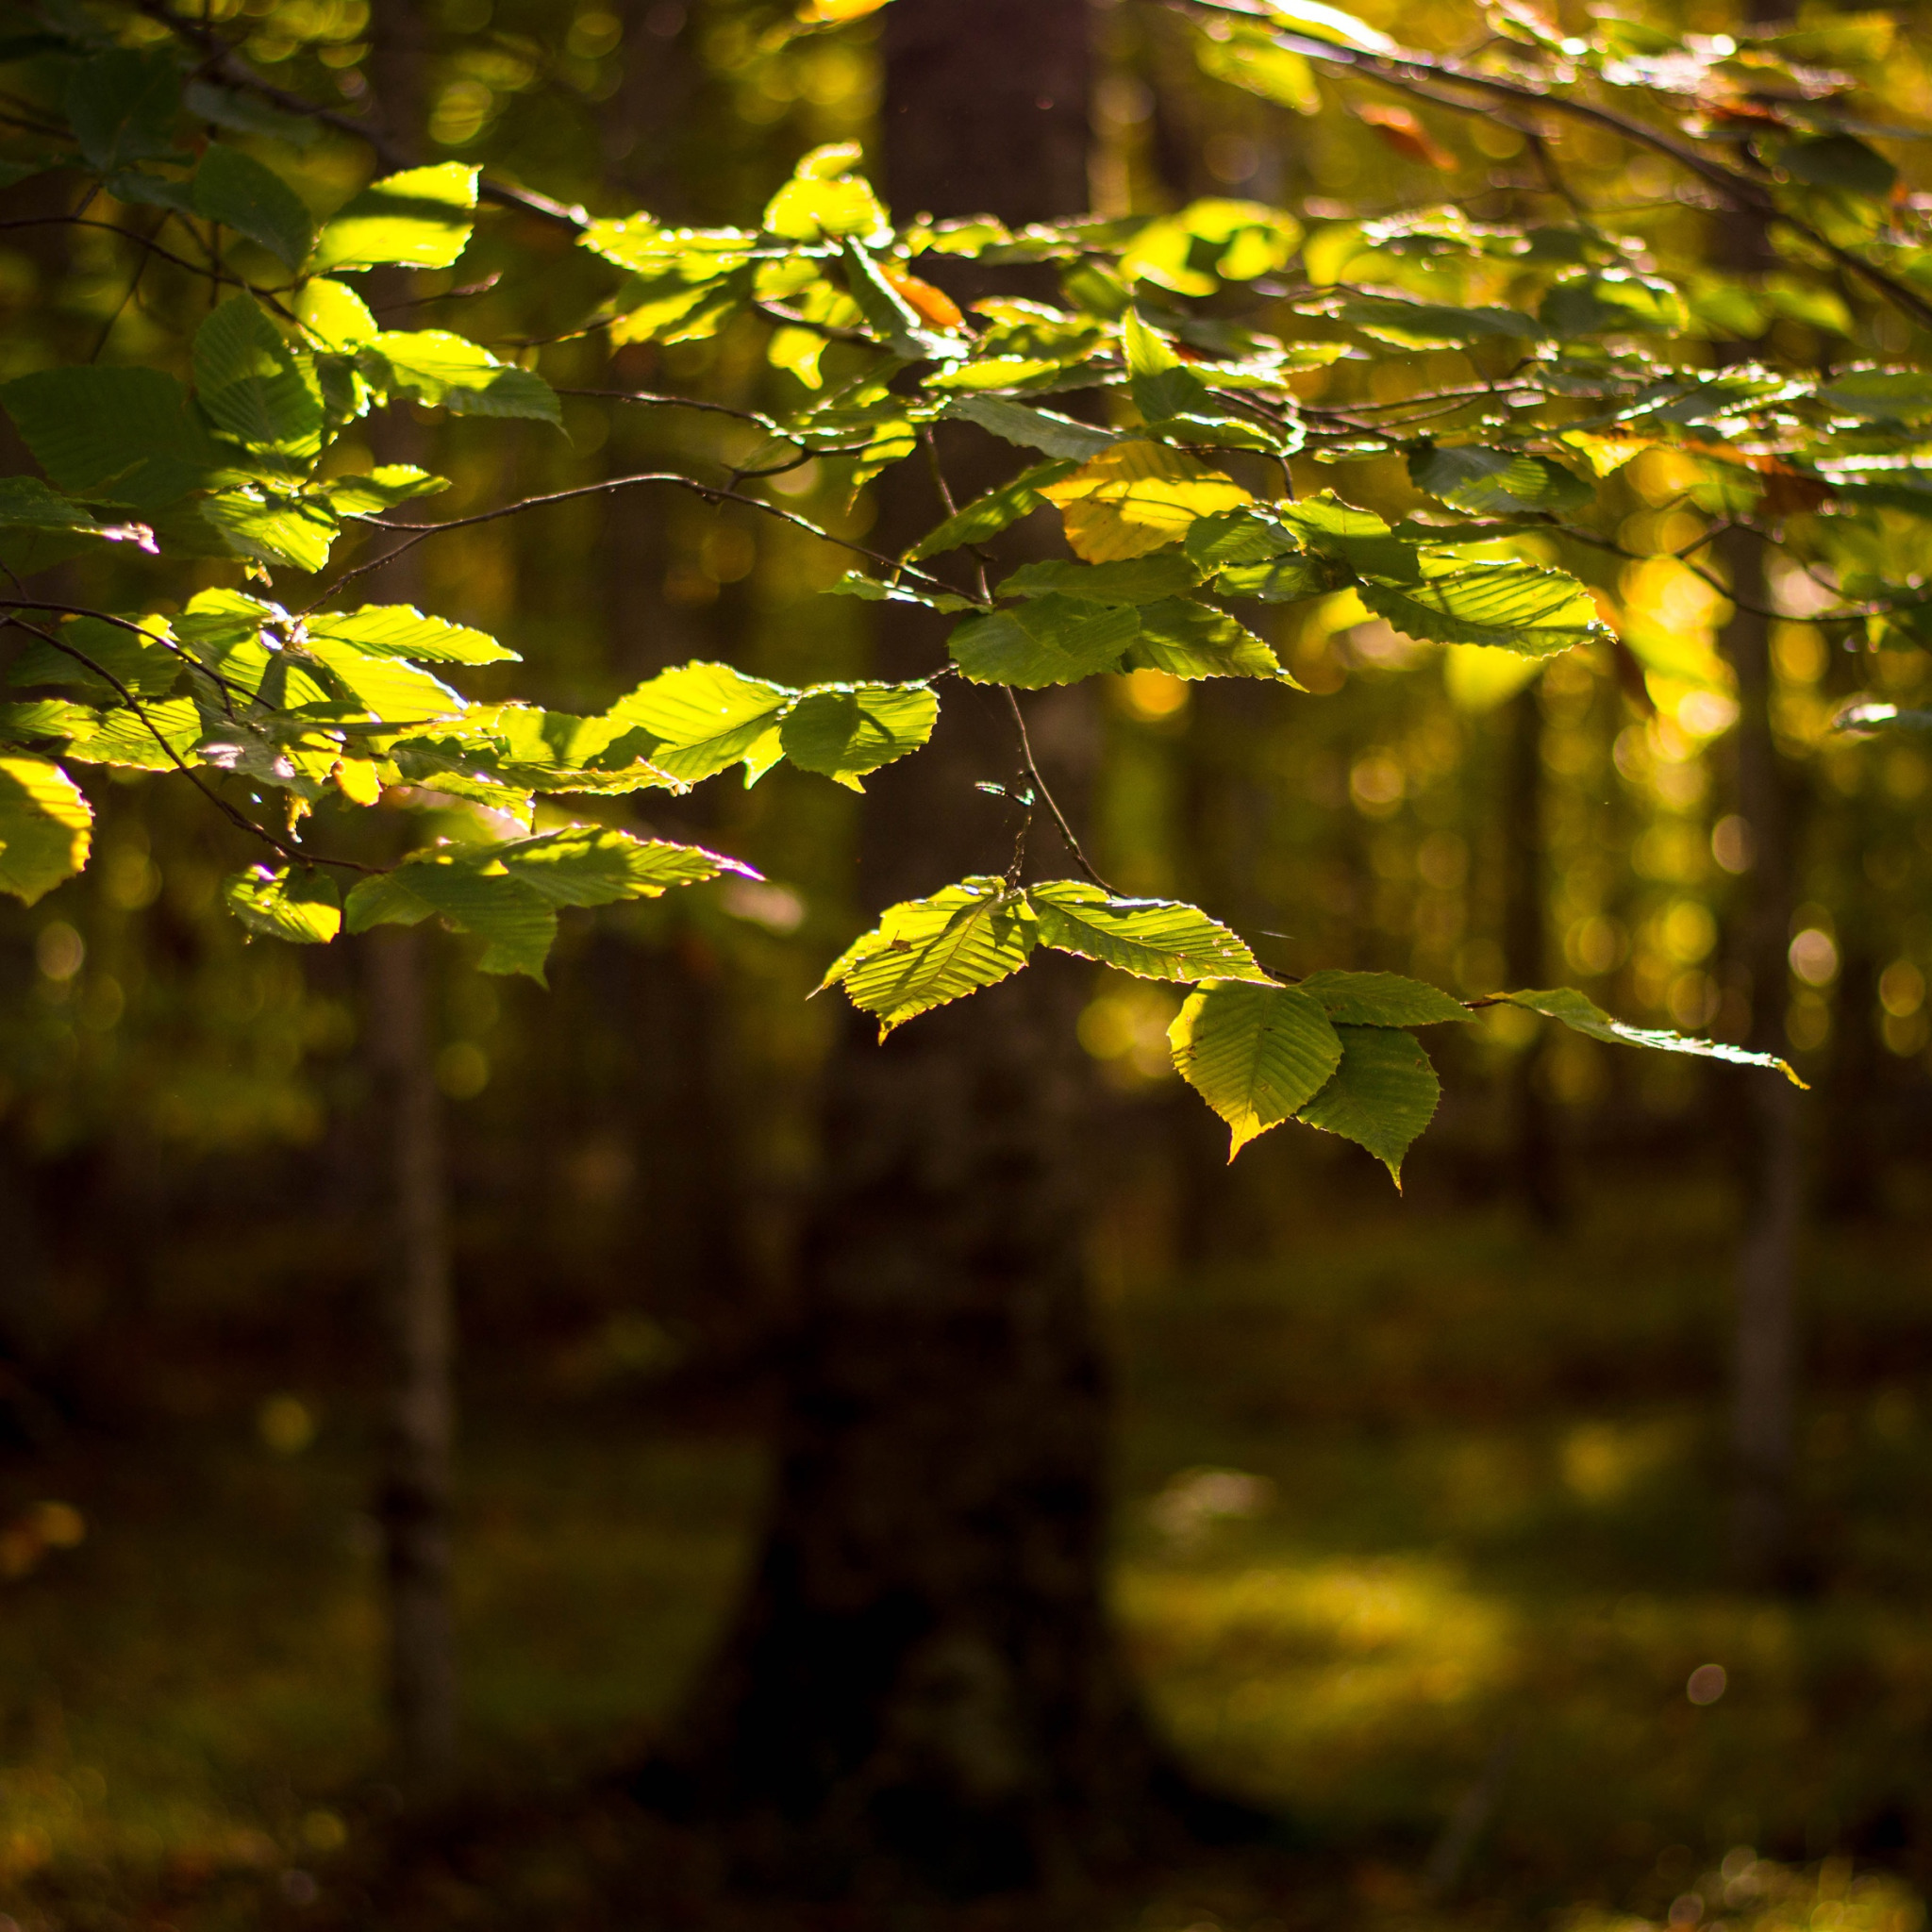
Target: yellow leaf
(1138,497)
(359,780)
(830,12)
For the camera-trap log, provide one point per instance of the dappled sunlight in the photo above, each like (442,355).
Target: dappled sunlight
(1287,1676)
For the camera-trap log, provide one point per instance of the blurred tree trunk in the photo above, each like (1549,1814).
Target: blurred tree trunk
(412,1275)
(924,1673)
(418,1413)
(1536,1169)
(1765,1357)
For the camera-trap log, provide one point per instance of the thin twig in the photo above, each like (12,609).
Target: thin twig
(1059,818)
(712,493)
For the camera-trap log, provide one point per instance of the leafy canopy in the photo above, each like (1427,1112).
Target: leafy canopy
(1182,416)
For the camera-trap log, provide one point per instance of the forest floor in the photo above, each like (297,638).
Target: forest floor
(1421,1543)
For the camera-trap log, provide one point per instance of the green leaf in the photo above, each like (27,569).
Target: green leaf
(846,731)
(1565,1003)
(1162,384)
(1433,325)
(1880,395)
(146,669)
(1516,607)
(1138,496)
(987,515)
(900,591)
(121,107)
(420,218)
(1617,301)
(1045,430)
(1286,580)
(926,952)
(1257,1055)
(593,865)
(1135,580)
(141,187)
(1498,482)
(1195,641)
(142,741)
(243,114)
(1153,938)
(400,630)
(44,718)
(252,386)
(1381,999)
(1276,74)
(382,488)
(809,209)
(273,530)
(1054,640)
(335,315)
(1382,1095)
(886,312)
(471,892)
(700,718)
(439,368)
(114,435)
(39,529)
(384,686)
(301,906)
(382,900)
(235,190)
(46,826)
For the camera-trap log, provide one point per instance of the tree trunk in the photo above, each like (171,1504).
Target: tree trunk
(413,1284)
(924,1676)
(1766,1361)
(414,1309)
(1535,1165)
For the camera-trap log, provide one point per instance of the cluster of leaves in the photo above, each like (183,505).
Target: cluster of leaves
(1182,483)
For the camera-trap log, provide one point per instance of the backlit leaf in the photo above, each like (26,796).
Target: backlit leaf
(299,903)
(439,368)
(594,865)
(1192,641)
(925,952)
(1516,607)
(137,663)
(1257,1055)
(1381,999)
(1137,498)
(45,827)
(1053,639)
(472,892)
(252,386)
(1153,938)
(1565,1003)
(400,630)
(701,717)
(420,218)
(1382,1095)
(1498,482)
(1136,580)
(846,731)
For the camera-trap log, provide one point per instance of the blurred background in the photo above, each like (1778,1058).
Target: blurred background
(1424,1532)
